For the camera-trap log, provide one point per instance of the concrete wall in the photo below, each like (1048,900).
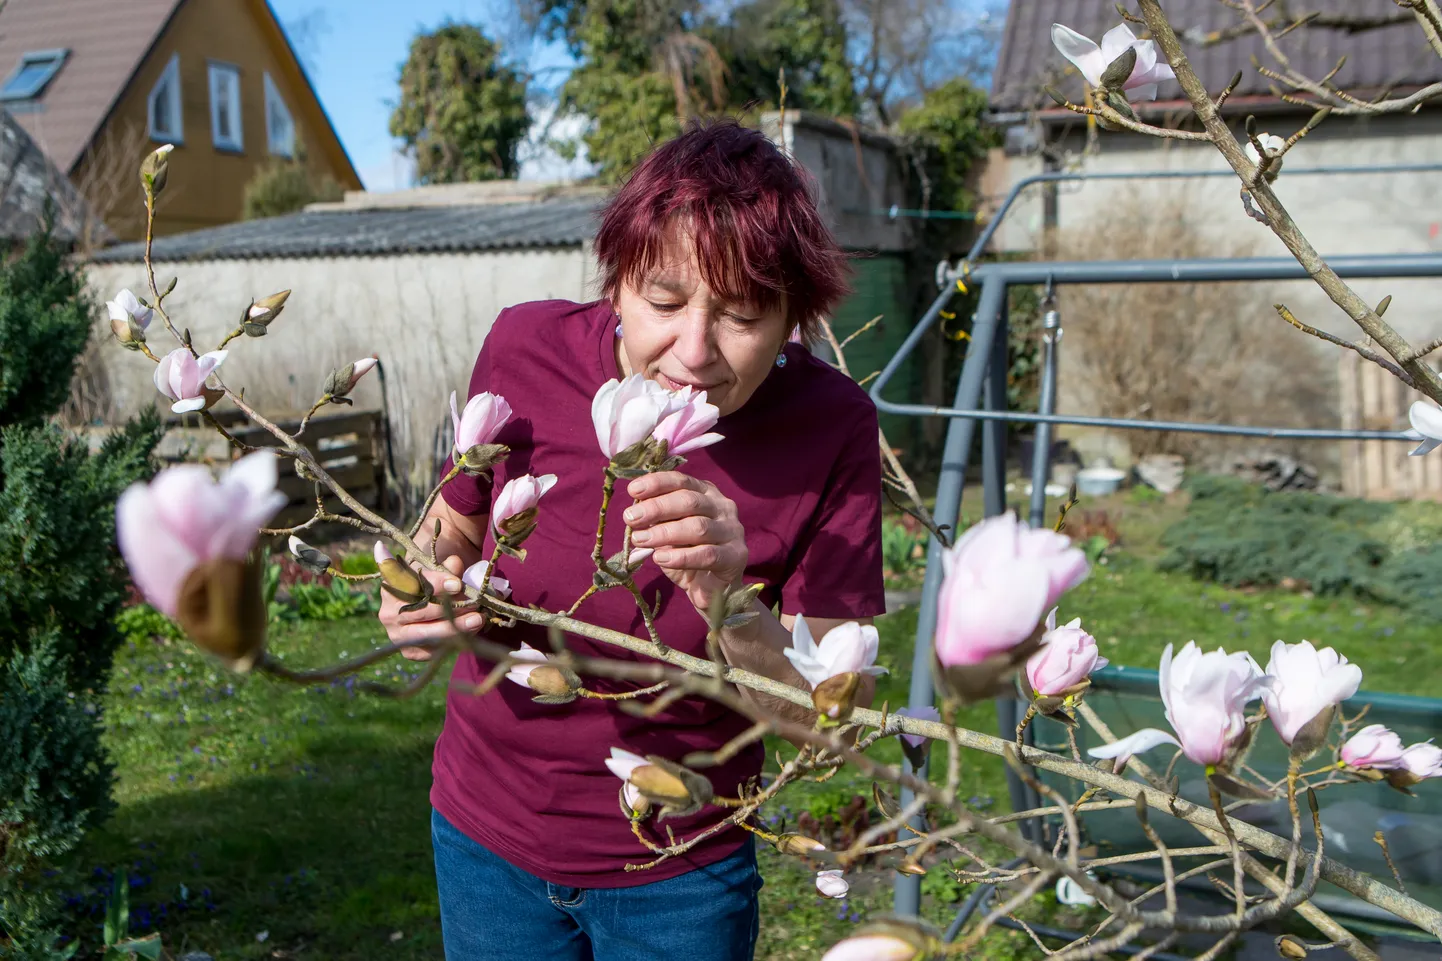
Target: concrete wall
(1340,214)
(425,315)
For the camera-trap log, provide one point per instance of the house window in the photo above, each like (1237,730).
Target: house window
(163,107)
(225,126)
(32,73)
(279,128)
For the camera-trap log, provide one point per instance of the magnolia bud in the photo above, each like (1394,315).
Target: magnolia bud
(260,313)
(401,582)
(130,334)
(1120,69)
(1294,949)
(661,786)
(911,867)
(222,608)
(798,845)
(308,557)
(835,697)
(342,380)
(153,170)
(550,680)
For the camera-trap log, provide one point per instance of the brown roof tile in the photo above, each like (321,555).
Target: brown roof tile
(107,40)
(1395,55)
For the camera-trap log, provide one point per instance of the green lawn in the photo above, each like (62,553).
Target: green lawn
(260,821)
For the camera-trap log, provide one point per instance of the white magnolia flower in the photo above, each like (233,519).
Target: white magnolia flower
(830,884)
(1092,60)
(846,648)
(1426,426)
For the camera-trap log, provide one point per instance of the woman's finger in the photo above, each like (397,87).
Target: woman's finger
(687,532)
(433,629)
(673,505)
(663,482)
(705,557)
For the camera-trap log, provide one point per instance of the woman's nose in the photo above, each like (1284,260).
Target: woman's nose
(695,346)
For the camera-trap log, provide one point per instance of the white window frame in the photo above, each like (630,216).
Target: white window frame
(171,73)
(275,104)
(234,143)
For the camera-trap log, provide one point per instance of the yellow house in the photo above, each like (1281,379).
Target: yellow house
(99,83)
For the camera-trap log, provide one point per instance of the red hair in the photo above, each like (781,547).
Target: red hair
(751,216)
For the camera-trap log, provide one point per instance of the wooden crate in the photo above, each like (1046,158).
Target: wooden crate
(349,446)
(1373,399)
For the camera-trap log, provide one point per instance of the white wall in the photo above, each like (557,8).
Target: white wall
(1339,214)
(425,315)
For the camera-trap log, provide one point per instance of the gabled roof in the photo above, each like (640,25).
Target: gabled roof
(27,180)
(107,40)
(377,232)
(1396,55)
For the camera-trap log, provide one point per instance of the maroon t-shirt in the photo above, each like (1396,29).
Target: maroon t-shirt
(528,781)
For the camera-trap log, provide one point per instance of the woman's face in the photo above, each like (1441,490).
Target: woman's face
(677,331)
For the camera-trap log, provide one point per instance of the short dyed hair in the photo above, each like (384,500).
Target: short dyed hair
(750,212)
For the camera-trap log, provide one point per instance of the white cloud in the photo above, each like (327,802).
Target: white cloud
(539,160)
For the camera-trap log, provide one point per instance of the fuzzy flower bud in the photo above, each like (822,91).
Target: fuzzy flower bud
(154,168)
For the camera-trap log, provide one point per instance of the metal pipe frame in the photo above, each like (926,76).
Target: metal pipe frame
(980,397)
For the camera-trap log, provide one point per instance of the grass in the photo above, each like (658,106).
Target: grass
(259,821)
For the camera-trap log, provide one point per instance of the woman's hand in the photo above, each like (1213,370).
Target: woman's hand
(429,623)
(694,530)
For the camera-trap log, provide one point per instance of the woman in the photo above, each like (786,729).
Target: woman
(712,256)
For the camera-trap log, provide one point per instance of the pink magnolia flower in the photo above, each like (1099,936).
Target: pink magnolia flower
(1206,696)
(185,517)
(1374,746)
(685,428)
(871,947)
(1068,655)
(927,713)
(625,412)
(1306,682)
(520,494)
(1093,60)
(999,578)
(1426,426)
(1422,760)
(830,884)
(847,648)
(499,586)
(480,422)
(181,377)
(527,659)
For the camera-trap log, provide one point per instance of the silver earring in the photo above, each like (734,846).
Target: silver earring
(781,359)
(618,328)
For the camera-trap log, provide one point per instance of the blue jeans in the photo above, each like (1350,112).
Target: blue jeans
(492,909)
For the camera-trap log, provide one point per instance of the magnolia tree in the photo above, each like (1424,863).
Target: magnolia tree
(188,538)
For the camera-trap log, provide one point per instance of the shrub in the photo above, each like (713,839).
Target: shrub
(283,187)
(61,587)
(1242,534)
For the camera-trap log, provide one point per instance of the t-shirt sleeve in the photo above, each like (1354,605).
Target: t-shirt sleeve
(467,494)
(836,563)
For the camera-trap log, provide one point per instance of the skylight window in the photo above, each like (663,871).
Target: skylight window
(30,76)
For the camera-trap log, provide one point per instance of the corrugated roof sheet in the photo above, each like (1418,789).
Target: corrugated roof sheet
(1396,55)
(370,233)
(107,39)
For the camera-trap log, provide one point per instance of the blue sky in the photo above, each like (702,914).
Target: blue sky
(353,50)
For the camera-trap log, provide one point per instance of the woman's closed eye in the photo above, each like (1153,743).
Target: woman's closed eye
(665,308)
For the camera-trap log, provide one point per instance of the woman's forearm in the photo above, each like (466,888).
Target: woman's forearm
(758,647)
(460,536)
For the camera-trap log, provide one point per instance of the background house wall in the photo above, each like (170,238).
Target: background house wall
(208,182)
